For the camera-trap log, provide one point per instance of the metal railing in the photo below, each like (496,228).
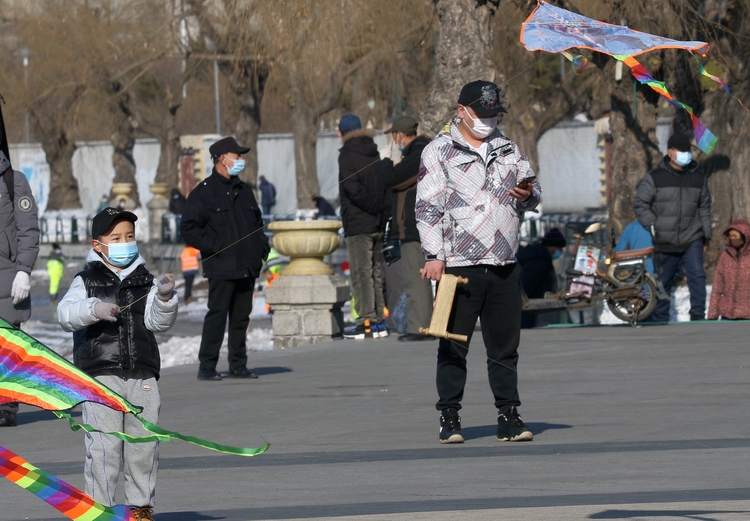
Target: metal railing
(65,229)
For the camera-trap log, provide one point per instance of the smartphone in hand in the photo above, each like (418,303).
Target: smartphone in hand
(525,183)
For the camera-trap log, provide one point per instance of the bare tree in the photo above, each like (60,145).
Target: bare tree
(463,54)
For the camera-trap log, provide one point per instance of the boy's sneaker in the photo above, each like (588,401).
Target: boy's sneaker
(380,329)
(510,427)
(450,427)
(360,331)
(142,513)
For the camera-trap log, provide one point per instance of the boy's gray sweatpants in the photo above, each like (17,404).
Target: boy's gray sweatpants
(105,454)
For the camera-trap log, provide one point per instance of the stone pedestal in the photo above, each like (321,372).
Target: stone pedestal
(158,206)
(307,309)
(307,297)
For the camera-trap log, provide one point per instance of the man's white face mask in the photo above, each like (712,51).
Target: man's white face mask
(483,127)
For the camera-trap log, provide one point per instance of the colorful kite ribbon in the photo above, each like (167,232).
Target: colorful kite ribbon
(67,499)
(33,374)
(553,29)
(704,138)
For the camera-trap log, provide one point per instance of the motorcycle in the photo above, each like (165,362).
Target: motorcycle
(619,279)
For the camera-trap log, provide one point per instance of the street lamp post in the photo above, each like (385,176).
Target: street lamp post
(25,54)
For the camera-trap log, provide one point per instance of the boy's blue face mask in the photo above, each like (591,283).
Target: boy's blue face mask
(121,254)
(557,255)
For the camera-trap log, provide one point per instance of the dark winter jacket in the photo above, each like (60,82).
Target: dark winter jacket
(19,240)
(402,180)
(324,208)
(730,296)
(267,193)
(677,203)
(127,343)
(176,202)
(222,213)
(538,275)
(363,195)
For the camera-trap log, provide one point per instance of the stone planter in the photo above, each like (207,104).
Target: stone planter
(160,190)
(306,243)
(122,191)
(307,298)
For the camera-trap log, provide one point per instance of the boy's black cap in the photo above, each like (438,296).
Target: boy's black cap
(225,146)
(483,97)
(405,124)
(679,142)
(106,217)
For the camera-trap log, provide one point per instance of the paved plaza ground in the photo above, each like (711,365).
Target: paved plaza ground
(645,423)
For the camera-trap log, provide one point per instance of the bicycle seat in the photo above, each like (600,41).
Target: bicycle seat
(631,254)
(578,227)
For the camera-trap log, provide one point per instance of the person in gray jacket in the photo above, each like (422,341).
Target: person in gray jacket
(675,200)
(19,247)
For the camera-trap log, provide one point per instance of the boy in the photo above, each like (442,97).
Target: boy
(114,307)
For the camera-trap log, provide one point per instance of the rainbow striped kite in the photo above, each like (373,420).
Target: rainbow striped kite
(552,29)
(33,374)
(67,499)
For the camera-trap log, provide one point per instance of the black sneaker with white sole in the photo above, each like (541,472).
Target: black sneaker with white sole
(360,331)
(450,427)
(510,427)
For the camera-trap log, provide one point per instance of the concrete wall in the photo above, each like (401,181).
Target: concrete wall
(569,165)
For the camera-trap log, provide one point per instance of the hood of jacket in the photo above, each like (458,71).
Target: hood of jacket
(666,165)
(360,142)
(742,226)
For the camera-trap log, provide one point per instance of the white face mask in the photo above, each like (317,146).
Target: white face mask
(483,127)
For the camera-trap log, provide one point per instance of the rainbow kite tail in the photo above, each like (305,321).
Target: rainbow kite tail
(67,499)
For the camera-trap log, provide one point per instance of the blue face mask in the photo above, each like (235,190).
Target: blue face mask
(401,148)
(121,254)
(557,255)
(237,167)
(683,158)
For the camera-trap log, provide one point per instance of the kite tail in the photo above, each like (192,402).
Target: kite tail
(67,499)
(705,139)
(720,82)
(159,434)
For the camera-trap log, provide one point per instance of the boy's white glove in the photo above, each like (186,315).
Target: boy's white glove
(165,286)
(106,311)
(21,287)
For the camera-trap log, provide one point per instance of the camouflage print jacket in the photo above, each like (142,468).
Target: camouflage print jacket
(465,215)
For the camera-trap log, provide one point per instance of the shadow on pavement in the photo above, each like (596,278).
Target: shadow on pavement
(487,431)
(261,371)
(700,515)
(184,516)
(24,418)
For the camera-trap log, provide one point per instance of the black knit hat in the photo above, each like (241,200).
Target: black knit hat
(555,238)
(679,142)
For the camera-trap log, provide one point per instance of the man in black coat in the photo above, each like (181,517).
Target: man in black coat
(402,180)
(674,198)
(222,219)
(363,201)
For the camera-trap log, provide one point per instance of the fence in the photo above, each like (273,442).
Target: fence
(65,229)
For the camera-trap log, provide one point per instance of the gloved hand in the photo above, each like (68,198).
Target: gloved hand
(21,287)
(165,286)
(106,311)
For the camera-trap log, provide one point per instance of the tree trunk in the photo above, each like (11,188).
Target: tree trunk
(123,141)
(635,149)
(59,147)
(305,132)
(168,171)
(63,187)
(463,54)
(248,81)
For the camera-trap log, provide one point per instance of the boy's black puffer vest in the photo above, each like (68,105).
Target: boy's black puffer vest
(125,344)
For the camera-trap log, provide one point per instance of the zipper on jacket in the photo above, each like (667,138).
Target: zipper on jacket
(453,235)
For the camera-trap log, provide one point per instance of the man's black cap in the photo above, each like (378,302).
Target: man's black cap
(405,124)
(679,142)
(225,146)
(104,219)
(483,97)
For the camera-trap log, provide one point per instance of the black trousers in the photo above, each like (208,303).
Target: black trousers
(233,298)
(494,294)
(189,277)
